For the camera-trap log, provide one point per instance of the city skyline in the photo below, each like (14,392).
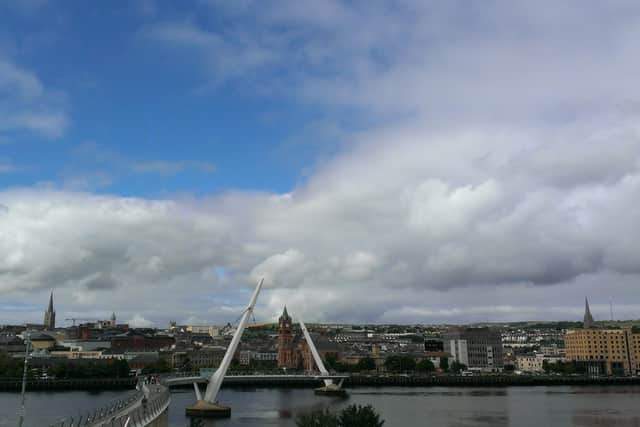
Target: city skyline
(415,162)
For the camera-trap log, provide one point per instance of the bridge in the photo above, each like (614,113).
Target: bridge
(147,406)
(208,406)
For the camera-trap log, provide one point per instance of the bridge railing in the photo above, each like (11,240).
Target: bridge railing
(144,414)
(96,416)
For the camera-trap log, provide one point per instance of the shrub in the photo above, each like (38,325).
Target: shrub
(351,416)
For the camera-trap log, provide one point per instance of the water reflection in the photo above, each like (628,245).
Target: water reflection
(433,407)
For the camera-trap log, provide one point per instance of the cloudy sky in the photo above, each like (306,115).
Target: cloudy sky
(406,161)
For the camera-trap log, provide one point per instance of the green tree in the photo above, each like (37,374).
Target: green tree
(425,365)
(366,364)
(444,364)
(359,416)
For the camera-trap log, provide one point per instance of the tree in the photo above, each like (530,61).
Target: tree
(425,365)
(456,367)
(359,416)
(330,361)
(444,364)
(397,363)
(366,364)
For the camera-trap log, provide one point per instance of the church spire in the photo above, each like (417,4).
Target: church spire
(50,315)
(588,319)
(50,310)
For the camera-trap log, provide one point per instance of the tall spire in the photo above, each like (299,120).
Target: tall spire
(588,319)
(50,315)
(50,310)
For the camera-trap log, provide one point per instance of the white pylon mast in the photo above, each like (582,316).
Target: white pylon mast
(218,376)
(314,352)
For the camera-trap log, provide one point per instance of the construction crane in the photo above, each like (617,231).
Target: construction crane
(73,319)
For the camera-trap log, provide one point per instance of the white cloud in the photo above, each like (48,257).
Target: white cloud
(383,229)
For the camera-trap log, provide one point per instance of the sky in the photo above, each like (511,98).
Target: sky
(376,162)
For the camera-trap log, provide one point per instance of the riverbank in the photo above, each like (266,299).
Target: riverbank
(421,381)
(70,384)
(353,381)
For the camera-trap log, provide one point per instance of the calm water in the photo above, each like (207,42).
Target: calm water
(433,407)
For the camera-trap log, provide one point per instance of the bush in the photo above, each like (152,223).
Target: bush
(317,419)
(351,416)
(359,416)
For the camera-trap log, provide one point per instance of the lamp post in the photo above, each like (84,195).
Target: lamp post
(24,375)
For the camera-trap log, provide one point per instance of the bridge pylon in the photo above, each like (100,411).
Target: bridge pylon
(330,388)
(208,406)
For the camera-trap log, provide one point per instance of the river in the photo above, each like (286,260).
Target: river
(433,407)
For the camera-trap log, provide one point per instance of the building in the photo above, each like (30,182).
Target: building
(41,341)
(50,316)
(11,343)
(212,331)
(132,341)
(610,351)
(530,363)
(246,356)
(433,345)
(475,347)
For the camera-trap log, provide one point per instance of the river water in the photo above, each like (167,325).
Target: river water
(432,407)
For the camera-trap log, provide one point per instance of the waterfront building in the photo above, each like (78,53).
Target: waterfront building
(475,347)
(535,362)
(50,316)
(610,351)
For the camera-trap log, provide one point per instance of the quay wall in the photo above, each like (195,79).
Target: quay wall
(484,381)
(353,381)
(428,381)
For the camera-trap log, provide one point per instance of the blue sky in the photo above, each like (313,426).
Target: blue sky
(375,161)
(127,101)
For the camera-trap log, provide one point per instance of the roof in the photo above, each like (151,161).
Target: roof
(38,336)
